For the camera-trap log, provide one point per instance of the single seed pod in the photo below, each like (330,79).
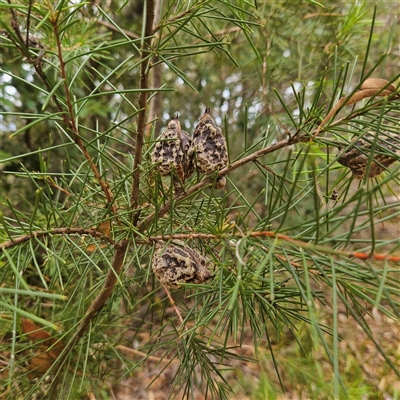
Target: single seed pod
(174,151)
(358,155)
(174,264)
(210,147)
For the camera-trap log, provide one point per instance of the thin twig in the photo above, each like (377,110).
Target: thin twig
(28,20)
(351,116)
(174,306)
(95,307)
(205,236)
(141,124)
(115,29)
(50,181)
(55,231)
(155,105)
(280,236)
(72,124)
(177,17)
(133,352)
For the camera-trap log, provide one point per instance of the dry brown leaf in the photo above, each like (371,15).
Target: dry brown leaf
(378,83)
(40,362)
(104,228)
(93,247)
(47,351)
(369,88)
(33,331)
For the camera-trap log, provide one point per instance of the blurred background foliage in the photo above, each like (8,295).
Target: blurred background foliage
(285,47)
(290,45)
(268,70)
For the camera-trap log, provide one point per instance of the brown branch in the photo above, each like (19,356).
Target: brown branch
(275,235)
(143,95)
(72,124)
(28,21)
(94,308)
(15,26)
(56,231)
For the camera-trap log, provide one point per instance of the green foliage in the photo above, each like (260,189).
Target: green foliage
(86,89)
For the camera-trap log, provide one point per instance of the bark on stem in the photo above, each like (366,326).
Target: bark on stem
(56,231)
(72,125)
(94,308)
(141,125)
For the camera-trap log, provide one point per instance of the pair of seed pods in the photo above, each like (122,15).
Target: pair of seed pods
(176,153)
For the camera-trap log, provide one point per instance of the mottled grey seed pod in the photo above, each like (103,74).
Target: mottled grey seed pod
(210,147)
(358,155)
(174,265)
(174,151)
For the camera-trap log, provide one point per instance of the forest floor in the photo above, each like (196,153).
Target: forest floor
(365,373)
